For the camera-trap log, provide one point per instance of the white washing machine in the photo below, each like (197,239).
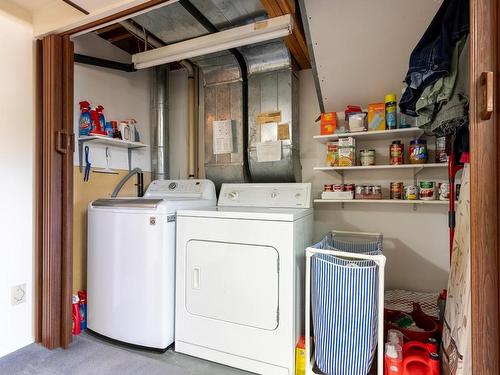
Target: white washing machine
(240,279)
(131,262)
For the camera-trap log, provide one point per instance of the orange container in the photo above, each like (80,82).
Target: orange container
(328,123)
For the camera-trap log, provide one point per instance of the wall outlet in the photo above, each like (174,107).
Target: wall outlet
(17,294)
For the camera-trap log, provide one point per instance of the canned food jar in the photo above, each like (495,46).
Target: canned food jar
(358,191)
(328,188)
(418,151)
(444,191)
(396,153)
(349,187)
(396,190)
(442,149)
(367,157)
(411,192)
(337,187)
(427,190)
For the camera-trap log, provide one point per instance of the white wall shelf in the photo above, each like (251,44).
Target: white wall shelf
(382,201)
(113,142)
(373,135)
(373,167)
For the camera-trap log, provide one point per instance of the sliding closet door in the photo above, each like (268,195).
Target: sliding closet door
(485,185)
(55,144)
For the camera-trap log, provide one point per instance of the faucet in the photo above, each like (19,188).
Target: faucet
(140,183)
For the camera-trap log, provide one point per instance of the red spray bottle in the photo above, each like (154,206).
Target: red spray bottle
(97,129)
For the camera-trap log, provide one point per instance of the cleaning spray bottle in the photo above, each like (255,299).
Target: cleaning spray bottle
(96,124)
(102,120)
(85,121)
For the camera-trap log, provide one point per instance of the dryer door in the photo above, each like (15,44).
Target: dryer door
(233,282)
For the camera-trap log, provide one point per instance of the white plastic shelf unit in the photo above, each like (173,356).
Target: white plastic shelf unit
(382,201)
(129,145)
(373,135)
(416,167)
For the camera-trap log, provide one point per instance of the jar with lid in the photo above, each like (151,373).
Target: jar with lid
(396,153)
(418,152)
(367,157)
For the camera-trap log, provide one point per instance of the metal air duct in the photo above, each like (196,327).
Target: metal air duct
(159,123)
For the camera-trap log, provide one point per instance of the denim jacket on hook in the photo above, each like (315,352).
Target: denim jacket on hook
(431,58)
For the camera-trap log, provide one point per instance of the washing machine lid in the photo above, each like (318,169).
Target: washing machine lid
(170,205)
(248,213)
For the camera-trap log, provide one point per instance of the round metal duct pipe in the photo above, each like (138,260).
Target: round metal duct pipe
(159,123)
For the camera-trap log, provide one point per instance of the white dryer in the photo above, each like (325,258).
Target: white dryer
(131,262)
(239,276)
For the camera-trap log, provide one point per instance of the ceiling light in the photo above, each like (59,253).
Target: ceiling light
(262,31)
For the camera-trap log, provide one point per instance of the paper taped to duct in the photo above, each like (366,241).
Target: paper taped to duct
(222,137)
(269,151)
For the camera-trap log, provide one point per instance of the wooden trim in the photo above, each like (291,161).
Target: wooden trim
(484,144)
(51,294)
(113,17)
(296,42)
(67,193)
(76,6)
(38,194)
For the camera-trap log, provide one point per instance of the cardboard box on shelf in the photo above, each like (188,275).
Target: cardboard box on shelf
(328,123)
(376,116)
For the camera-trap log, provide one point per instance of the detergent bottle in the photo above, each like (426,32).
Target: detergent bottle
(100,113)
(85,123)
(96,124)
(393,359)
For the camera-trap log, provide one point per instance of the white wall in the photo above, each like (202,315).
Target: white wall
(17,171)
(362,47)
(123,96)
(126,95)
(362,54)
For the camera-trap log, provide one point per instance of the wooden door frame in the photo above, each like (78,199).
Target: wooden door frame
(485,183)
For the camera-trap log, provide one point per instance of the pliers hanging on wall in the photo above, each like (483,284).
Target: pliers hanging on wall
(87,165)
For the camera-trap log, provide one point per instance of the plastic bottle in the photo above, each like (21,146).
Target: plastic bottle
(100,113)
(76,315)
(391,111)
(82,295)
(393,359)
(85,123)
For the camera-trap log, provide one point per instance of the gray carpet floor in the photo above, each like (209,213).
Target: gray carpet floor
(89,355)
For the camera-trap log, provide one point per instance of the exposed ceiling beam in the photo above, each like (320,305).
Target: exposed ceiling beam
(296,42)
(77,7)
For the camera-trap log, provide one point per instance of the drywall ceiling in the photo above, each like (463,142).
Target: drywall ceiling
(364,41)
(34,5)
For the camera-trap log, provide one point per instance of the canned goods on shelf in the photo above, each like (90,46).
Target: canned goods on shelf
(396,153)
(444,191)
(418,152)
(396,190)
(367,157)
(427,190)
(411,192)
(328,187)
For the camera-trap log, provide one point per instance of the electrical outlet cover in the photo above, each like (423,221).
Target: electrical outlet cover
(18,294)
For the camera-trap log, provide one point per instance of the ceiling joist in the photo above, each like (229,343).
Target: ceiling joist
(296,42)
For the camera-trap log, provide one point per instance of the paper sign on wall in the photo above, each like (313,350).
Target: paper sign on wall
(283,132)
(267,117)
(269,151)
(222,137)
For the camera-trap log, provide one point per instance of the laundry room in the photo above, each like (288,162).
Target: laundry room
(262,186)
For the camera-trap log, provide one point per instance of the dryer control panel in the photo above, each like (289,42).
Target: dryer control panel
(181,189)
(290,195)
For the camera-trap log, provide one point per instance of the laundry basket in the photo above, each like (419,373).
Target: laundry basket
(345,284)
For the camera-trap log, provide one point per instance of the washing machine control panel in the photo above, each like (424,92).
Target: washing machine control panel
(181,188)
(292,195)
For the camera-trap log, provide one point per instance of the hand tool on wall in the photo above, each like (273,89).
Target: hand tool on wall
(87,165)
(107,170)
